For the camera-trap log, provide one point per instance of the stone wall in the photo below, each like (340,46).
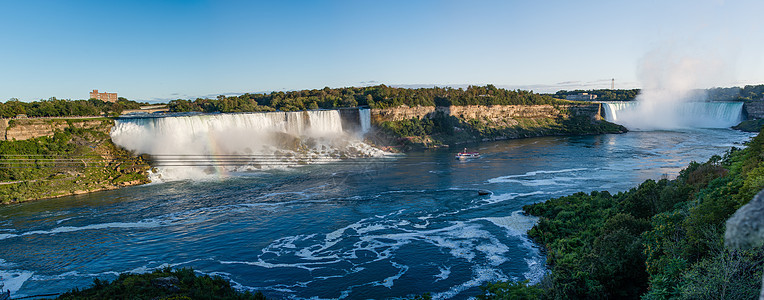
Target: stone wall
(495,113)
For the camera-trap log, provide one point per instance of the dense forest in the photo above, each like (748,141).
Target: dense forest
(380,96)
(746,93)
(661,240)
(64,108)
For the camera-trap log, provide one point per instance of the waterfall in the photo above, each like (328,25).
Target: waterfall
(365,116)
(201,146)
(641,115)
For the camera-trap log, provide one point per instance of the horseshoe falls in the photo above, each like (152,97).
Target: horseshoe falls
(654,115)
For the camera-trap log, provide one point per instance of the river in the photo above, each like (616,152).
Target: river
(364,228)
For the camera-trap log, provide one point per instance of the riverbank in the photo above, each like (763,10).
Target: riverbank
(662,239)
(62,157)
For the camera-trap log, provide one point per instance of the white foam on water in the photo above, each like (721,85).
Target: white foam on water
(261,263)
(480,275)
(390,281)
(516,224)
(13,279)
(533,173)
(510,196)
(445,271)
(66,229)
(379,238)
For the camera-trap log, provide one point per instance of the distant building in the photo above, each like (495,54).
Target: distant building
(581,97)
(108,97)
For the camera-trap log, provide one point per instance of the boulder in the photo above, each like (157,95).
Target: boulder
(745,229)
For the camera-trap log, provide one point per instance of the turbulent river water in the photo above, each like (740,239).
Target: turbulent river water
(365,228)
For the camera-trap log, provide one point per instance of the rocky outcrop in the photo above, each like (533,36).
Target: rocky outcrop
(493,113)
(409,128)
(24,129)
(3,128)
(400,113)
(745,229)
(754,109)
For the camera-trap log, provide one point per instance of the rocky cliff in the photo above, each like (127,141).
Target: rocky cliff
(24,129)
(505,114)
(415,127)
(754,109)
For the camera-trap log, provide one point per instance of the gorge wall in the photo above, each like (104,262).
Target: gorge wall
(494,113)
(431,127)
(754,109)
(24,129)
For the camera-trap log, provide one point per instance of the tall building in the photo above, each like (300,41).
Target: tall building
(108,97)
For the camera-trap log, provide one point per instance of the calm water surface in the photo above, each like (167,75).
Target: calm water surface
(355,229)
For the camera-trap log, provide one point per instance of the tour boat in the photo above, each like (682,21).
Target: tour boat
(465,155)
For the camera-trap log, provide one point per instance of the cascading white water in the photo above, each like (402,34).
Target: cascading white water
(642,115)
(200,146)
(365,117)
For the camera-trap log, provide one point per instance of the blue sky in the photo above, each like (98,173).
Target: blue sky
(159,50)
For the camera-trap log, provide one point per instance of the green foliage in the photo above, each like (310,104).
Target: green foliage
(754,125)
(746,93)
(64,108)
(725,275)
(380,96)
(510,291)
(439,128)
(425,296)
(659,240)
(162,284)
(73,159)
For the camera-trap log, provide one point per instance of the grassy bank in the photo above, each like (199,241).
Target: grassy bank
(660,240)
(73,160)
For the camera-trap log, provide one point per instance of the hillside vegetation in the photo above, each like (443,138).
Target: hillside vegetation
(162,284)
(660,240)
(72,161)
(441,129)
(380,96)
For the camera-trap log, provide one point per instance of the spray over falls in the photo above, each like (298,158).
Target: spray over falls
(674,77)
(202,146)
(645,115)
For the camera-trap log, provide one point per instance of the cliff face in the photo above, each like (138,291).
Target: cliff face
(500,114)
(24,129)
(427,127)
(754,109)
